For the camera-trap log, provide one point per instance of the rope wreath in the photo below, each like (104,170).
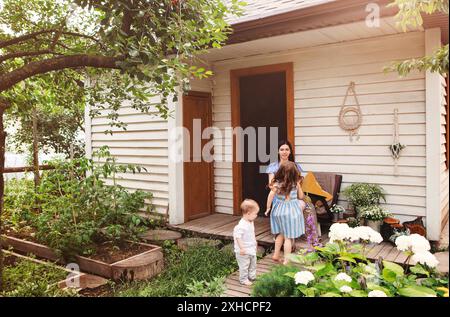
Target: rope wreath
(350,111)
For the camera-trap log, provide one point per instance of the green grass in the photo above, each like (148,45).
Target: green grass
(29,279)
(200,263)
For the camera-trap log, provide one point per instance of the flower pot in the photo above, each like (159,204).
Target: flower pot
(374,224)
(335,217)
(341,215)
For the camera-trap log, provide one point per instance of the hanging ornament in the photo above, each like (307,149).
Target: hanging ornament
(350,117)
(396,147)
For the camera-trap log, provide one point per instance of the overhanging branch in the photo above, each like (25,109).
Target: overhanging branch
(44,66)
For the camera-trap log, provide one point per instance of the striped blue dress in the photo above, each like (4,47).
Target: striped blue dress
(287,216)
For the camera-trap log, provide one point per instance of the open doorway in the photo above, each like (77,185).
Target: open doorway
(261,97)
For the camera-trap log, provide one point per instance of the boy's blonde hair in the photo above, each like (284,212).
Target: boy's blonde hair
(248,205)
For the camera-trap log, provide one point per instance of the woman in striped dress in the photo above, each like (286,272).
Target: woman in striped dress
(287,220)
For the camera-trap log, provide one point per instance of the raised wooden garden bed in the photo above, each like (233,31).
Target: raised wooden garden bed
(141,266)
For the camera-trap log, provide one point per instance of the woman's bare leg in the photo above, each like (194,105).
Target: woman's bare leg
(287,249)
(278,244)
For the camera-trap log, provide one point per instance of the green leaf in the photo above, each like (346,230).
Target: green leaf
(325,270)
(358,293)
(417,291)
(331,294)
(290,274)
(347,258)
(397,269)
(419,269)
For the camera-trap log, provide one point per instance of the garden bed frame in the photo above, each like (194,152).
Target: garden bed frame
(138,267)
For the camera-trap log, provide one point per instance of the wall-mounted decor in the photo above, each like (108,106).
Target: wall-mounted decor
(350,117)
(396,147)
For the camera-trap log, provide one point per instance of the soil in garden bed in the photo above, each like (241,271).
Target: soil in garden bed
(109,253)
(23,234)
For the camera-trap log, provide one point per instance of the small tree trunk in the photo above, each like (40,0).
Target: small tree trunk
(3,106)
(35,149)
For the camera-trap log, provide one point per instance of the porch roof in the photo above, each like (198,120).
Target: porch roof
(267,18)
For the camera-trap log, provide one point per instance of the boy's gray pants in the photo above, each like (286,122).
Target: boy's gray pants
(247,267)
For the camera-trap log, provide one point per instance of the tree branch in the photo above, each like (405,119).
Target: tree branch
(8,80)
(23,54)
(30,36)
(23,38)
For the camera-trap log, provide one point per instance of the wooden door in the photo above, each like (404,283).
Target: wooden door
(198,174)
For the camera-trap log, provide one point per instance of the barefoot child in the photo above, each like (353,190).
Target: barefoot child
(245,242)
(287,220)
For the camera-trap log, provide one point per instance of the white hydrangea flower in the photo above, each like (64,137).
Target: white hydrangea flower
(377,293)
(361,232)
(419,243)
(303,277)
(424,258)
(403,243)
(339,231)
(375,237)
(343,277)
(346,289)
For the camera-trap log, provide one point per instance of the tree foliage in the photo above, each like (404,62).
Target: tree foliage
(410,14)
(146,41)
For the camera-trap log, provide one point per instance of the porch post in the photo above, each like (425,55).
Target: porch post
(433,144)
(176,171)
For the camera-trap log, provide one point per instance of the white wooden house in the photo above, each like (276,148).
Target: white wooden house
(318,47)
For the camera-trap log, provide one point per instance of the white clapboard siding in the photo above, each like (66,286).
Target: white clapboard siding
(143,143)
(444,170)
(321,78)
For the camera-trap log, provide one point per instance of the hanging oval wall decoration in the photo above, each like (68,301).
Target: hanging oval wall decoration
(350,117)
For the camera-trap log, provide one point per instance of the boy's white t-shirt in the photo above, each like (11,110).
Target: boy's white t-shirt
(245,230)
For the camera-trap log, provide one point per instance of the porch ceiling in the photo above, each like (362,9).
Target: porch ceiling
(310,38)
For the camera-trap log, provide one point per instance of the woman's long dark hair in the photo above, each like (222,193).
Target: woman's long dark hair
(287,177)
(291,155)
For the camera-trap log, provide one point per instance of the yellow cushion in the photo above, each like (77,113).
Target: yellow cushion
(312,186)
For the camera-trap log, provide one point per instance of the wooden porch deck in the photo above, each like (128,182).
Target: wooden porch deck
(221,226)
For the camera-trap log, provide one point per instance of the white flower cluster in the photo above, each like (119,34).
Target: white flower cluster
(337,208)
(341,231)
(303,277)
(343,277)
(346,289)
(376,293)
(418,245)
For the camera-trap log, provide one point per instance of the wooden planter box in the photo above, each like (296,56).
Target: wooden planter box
(138,267)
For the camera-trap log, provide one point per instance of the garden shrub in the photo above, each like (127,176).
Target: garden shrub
(79,209)
(182,270)
(275,283)
(19,201)
(214,288)
(363,194)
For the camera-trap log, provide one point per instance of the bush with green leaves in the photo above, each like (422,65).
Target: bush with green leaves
(19,201)
(182,269)
(364,194)
(79,209)
(275,283)
(213,288)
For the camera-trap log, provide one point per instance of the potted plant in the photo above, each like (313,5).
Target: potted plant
(338,212)
(374,215)
(364,194)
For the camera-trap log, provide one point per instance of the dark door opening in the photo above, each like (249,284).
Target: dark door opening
(262,104)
